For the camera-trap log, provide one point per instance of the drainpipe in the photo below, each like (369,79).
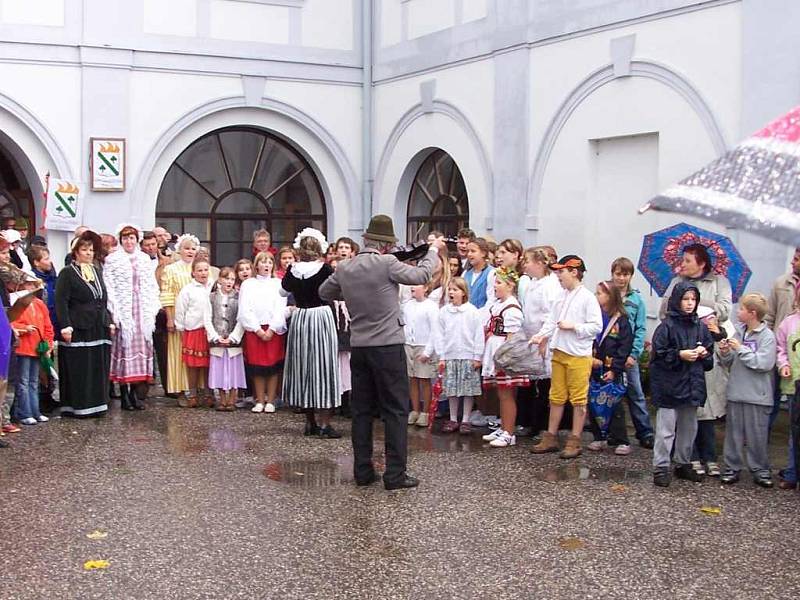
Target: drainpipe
(366,111)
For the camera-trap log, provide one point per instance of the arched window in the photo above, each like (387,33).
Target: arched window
(438,199)
(233,181)
(16,198)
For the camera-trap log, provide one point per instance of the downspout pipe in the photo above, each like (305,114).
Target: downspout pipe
(366,110)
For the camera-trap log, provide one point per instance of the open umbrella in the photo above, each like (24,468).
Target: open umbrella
(662,252)
(755,186)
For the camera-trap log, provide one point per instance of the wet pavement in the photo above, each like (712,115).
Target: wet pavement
(200,504)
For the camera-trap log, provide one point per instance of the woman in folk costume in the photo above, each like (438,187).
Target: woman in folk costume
(84,355)
(311,377)
(175,277)
(133,301)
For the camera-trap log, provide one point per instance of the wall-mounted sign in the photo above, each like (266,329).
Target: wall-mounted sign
(107,164)
(64,205)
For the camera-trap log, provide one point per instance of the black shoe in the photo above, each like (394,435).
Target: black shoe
(367,480)
(311,429)
(648,442)
(764,481)
(661,478)
(125,394)
(688,473)
(404,484)
(329,433)
(729,477)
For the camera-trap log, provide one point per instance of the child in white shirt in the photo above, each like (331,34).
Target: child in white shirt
(459,344)
(419,316)
(569,330)
(192,308)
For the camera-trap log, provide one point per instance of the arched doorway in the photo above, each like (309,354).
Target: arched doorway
(16,198)
(438,198)
(233,181)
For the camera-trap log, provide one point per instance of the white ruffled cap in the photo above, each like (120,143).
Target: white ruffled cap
(311,232)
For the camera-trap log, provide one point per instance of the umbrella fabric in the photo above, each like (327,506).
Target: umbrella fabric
(662,251)
(603,397)
(436,392)
(755,186)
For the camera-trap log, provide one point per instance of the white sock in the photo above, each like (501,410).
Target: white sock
(468,401)
(453,408)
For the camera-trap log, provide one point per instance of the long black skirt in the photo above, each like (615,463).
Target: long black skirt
(83,371)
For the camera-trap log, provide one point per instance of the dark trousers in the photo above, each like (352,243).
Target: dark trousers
(533,405)
(380,382)
(160,346)
(705,444)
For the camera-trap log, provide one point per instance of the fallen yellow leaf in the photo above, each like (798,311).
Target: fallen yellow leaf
(711,510)
(91,565)
(571,543)
(97,535)
(618,487)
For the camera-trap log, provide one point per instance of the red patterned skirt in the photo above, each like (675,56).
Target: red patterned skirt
(502,380)
(194,348)
(258,353)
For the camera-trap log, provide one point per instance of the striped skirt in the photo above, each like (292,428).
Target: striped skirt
(311,371)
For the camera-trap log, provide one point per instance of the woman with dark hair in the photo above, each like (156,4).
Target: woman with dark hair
(133,301)
(715,294)
(84,355)
(311,375)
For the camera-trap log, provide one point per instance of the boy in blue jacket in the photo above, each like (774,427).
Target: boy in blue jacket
(682,352)
(621,273)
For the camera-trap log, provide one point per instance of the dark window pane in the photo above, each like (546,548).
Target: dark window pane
(241,203)
(226,254)
(203,161)
(277,165)
(241,150)
(180,194)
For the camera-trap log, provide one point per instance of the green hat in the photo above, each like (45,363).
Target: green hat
(22,223)
(381,229)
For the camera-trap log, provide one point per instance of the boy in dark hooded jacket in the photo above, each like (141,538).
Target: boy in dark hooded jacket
(682,351)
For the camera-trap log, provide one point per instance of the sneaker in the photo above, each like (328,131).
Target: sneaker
(493,422)
(503,440)
(42,419)
(688,472)
(597,445)
(477,419)
(244,403)
(11,428)
(713,469)
(648,442)
(523,431)
(490,437)
(269,407)
(412,417)
(29,421)
(422,421)
(661,478)
(622,450)
(698,467)
(258,408)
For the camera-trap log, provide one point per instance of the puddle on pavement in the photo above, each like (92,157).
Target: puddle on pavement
(583,473)
(422,440)
(575,472)
(311,473)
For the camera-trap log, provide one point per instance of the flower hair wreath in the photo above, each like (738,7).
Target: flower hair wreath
(508,275)
(187,236)
(314,233)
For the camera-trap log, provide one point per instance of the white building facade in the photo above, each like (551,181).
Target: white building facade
(544,120)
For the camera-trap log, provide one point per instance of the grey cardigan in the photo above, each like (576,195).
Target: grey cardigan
(369,285)
(751,366)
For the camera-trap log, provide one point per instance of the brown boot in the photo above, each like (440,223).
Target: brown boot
(548,443)
(572,449)
(191,402)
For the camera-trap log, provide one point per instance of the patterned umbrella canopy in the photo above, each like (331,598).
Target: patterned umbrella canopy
(755,186)
(662,252)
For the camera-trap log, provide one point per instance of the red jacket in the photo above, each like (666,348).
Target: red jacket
(37,315)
